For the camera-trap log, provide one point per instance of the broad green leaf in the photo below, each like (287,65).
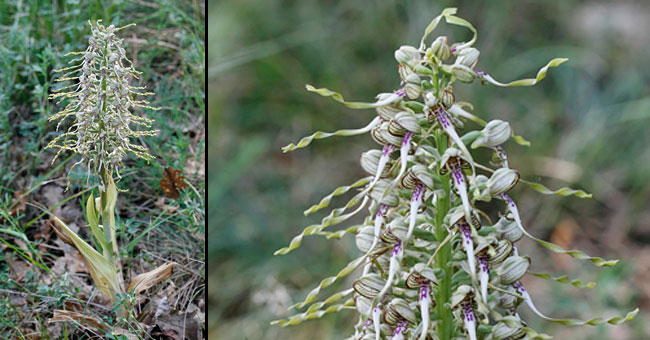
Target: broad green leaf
(541,74)
(565,279)
(321,135)
(299,318)
(560,192)
(337,192)
(353,105)
(93,222)
(103,272)
(329,281)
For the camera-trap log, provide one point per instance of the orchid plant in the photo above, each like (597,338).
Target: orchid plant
(433,265)
(100,100)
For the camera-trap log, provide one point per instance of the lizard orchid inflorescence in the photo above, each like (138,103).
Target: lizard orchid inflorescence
(434,265)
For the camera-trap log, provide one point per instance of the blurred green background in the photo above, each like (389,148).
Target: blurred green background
(588,123)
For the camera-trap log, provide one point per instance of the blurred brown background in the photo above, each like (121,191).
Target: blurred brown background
(587,122)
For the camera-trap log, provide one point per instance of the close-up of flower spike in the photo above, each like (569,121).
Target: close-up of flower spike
(435,266)
(101,103)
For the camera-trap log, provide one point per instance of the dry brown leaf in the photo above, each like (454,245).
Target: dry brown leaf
(147,280)
(84,320)
(172,182)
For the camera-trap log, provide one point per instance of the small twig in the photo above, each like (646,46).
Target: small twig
(449,236)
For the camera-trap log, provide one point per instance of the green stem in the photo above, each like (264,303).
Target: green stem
(443,296)
(106,218)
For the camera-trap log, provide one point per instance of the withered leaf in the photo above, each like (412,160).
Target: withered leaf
(172,182)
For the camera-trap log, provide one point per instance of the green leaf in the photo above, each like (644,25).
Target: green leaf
(560,192)
(541,74)
(299,318)
(93,222)
(321,135)
(329,281)
(101,270)
(337,192)
(333,218)
(353,105)
(565,279)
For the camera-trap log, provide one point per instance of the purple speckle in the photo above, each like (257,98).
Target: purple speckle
(465,232)
(502,152)
(483,264)
(407,138)
(442,118)
(457,173)
(519,287)
(400,328)
(401,92)
(381,210)
(417,192)
(468,311)
(388,148)
(397,248)
(424,290)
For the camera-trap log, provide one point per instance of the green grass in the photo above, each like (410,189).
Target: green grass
(167,46)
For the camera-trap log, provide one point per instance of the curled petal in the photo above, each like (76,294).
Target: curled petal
(376,313)
(541,74)
(354,105)
(576,254)
(416,201)
(320,135)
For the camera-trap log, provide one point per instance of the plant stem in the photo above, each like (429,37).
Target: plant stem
(443,295)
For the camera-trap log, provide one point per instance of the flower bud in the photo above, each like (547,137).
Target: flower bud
(468,56)
(504,300)
(463,293)
(502,180)
(430,100)
(512,269)
(381,135)
(418,173)
(365,238)
(386,112)
(413,89)
(395,231)
(421,274)
(495,133)
(370,161)
(369,285)
(440,48)
(408,55)
(499,252)
(404,71)
(508,328)
(463,73)
(363,304)
(508,230)
(399,310)
(403,123)
(447,97)
(378,193)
